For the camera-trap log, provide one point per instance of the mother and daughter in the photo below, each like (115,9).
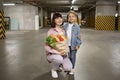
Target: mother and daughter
(71,30)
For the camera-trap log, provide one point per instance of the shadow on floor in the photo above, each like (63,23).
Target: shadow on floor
(47,76)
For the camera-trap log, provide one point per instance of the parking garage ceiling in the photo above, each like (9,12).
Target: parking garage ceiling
(58,5)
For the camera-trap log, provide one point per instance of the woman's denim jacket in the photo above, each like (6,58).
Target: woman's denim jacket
(75,35)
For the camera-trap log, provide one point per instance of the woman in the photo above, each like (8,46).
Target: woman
(72,30)
(53,56)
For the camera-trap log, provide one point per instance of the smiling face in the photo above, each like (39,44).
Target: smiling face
(58,21)
(72,18)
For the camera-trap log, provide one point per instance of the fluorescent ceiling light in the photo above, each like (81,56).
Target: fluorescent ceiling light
(73,1)
(9,4)
(116,15)
(118,2)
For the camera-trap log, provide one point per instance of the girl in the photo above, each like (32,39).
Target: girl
(72,30)
(53,56)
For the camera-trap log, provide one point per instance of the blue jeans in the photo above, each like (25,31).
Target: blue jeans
(72,56)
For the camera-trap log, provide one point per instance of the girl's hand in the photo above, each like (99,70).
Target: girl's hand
(79,36)
(76,48)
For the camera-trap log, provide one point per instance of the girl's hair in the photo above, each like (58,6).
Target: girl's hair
(55,15)
(73,12)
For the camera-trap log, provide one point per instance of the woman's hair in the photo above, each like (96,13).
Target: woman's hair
(73,12)
(55,15)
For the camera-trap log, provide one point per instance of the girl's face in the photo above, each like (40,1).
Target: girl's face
(71,18)
(58,21)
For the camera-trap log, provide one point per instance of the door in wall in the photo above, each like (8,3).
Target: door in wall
(14,24)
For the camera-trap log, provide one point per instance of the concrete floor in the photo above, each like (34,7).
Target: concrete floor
(22,56)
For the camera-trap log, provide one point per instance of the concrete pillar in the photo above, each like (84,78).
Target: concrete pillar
(105,15)
(36,22)
(90,19)
(45,18)
(79,18)
(49,19)
(2,24)
(41,17)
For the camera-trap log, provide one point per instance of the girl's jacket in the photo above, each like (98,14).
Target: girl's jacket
(75,35)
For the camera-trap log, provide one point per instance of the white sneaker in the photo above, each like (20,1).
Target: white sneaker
(72,72)
(54,73)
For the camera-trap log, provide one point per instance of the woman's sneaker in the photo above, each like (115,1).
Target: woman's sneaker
(54,73)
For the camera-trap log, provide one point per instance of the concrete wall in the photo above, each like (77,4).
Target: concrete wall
(105,8)
(45,17)
(41,14)
(25,14)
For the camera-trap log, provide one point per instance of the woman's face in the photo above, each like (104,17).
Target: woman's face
(58,21)
(71,18)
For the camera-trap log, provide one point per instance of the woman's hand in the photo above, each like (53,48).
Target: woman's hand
(63,54)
